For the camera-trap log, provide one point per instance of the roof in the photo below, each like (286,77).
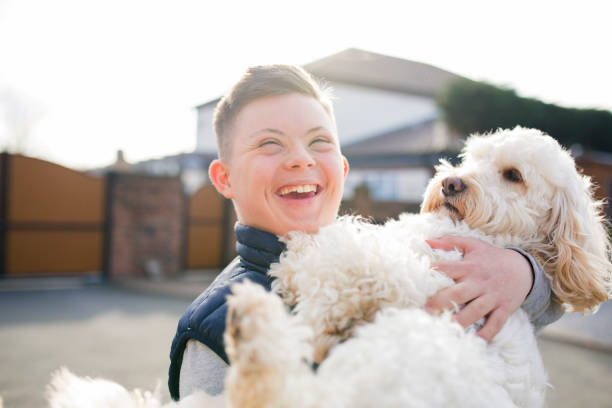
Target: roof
(391,160)
(365,68)
(420,138)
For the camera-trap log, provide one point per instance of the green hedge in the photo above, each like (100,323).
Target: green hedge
(470,106)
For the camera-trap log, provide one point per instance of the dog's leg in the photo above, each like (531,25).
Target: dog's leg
(67,390)
(268,351)
(516,362)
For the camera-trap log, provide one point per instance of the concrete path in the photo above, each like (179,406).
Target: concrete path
(123,332)
(94,331)
(593,331)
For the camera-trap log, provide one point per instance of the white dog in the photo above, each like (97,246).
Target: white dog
(356,292)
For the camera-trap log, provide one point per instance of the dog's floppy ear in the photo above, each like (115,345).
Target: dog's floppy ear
(577,254)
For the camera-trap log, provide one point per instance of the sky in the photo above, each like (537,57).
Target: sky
(82,79)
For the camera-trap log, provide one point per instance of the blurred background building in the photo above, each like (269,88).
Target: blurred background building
(161,216)
(388,121)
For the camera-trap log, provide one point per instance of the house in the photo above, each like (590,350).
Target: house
(191,167)
(389,125)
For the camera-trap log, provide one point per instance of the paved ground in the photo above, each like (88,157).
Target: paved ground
(95,331)
(98,330)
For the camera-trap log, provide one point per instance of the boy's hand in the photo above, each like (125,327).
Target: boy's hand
(490,281)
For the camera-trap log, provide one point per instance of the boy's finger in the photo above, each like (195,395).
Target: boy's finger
(475,310)
(453,269)
(450,297)
(450,242)
(494,323)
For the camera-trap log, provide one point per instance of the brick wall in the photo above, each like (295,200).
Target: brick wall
(146,226)
(601,175)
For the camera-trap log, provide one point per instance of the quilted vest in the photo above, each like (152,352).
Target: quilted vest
(204,319)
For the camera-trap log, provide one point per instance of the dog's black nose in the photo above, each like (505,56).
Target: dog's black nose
(452,186)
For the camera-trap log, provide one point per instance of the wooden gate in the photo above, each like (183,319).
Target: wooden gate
(51,219)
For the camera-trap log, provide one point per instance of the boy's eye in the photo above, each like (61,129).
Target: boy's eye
(269,143)
(319,140)
(269,146)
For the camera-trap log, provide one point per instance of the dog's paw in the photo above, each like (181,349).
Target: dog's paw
(267,348)
(259,329)
(252,317)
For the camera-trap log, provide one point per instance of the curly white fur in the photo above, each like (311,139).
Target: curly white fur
(341,280)
(405,357)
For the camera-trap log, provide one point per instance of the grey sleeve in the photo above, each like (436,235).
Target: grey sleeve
(201,369)
(538,304)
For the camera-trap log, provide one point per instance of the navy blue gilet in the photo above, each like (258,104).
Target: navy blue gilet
(204,319)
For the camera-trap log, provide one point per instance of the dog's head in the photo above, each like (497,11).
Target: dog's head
(523,183)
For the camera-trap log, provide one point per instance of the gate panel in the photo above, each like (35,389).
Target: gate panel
(54,218)
(205,229)
(43,192)
(41,252)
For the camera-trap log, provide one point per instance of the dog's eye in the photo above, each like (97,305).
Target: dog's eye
(513,175)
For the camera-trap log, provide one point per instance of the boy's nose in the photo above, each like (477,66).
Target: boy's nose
(300,158)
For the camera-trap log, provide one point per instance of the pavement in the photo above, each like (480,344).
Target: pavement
(88,325)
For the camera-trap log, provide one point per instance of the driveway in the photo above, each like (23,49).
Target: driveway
(125,335)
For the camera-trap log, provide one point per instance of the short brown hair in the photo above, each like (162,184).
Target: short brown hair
(258,82)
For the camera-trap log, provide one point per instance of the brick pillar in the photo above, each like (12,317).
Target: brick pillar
(146,226)
(4,189)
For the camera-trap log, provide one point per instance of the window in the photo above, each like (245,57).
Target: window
(402,185)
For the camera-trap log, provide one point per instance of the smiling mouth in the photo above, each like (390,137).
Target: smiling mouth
(300,191)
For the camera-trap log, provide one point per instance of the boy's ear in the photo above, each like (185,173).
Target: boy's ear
(219,175)
(346,166)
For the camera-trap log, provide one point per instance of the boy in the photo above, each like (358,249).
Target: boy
(280,163)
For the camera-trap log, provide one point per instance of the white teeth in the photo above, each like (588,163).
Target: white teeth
(304,188)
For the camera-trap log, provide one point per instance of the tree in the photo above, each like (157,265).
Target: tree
(470,106)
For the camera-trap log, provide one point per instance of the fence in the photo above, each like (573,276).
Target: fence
(51,218)
(57,221)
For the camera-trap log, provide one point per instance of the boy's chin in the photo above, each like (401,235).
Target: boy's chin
(309,227)
(297,228)
(284,222)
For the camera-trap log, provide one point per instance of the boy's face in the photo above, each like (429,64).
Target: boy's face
(285,171)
